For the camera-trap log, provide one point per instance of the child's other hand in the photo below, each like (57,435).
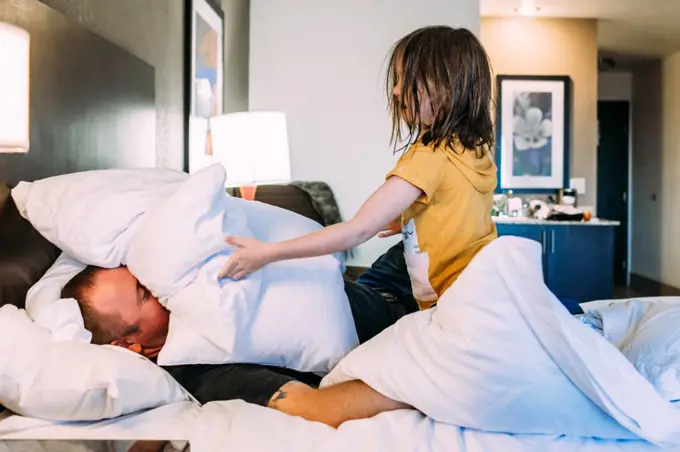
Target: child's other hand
(250,257)
(391,229)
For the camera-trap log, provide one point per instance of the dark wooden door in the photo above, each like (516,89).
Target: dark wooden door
(612,177)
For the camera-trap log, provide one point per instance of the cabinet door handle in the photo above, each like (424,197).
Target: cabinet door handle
(552,242)
(543,240)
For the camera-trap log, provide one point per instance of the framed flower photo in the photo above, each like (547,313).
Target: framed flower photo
(533,128)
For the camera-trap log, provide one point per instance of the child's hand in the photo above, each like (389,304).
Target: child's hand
(391,229)
(251,256)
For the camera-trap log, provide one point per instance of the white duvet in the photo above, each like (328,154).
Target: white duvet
(499,354)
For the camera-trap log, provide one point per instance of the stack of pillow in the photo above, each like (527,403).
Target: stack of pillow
(48,368)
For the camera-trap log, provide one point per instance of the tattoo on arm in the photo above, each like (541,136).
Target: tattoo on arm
(279,395)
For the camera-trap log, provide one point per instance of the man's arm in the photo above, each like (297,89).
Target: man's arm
(332,405)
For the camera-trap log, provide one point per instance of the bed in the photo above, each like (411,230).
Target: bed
(237,425)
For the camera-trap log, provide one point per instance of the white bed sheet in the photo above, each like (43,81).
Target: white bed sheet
(239,426)
(599,304)
(173,422)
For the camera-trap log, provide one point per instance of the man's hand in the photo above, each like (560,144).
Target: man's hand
(250,257)
(391,229)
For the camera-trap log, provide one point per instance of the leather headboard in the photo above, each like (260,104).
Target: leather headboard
(25,255)
(287,197)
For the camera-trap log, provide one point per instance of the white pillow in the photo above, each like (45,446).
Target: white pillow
(292,313)
(182,233)
(61,317)
(91,215)
(654,349)
(500,353)
(646,331)
(71,381)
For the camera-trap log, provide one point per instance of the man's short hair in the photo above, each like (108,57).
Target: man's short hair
(105,329)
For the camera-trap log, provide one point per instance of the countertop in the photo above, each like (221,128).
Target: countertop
(535,221)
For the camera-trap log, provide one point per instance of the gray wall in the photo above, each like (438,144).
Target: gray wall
(647,190)
(92,104)
(153,31)
(236,54)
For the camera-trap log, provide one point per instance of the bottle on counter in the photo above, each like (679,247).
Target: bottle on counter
(500,205)
(514,204)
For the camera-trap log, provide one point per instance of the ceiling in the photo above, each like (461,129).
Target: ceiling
(633,28)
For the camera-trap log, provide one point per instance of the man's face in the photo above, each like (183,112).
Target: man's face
(117,293)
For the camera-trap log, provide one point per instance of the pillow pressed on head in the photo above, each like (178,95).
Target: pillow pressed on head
(293,313)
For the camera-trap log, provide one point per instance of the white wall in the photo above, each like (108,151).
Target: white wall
(236,38)
(322,62)
(656,166)
(615,86)
(670,171)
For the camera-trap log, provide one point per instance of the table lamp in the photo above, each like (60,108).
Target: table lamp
(14,89)
(253,148)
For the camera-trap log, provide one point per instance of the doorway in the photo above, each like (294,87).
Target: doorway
(613,176)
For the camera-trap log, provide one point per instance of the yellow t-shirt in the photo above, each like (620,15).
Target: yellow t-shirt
(448,225)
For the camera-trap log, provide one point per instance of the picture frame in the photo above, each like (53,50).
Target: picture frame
(533,132)
(203,78)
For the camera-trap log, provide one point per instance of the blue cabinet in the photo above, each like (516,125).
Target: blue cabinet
(578,260)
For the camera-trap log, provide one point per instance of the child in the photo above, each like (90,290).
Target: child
(441,190)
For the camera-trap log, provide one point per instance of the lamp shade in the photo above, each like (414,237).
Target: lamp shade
(252,147)
(14,86)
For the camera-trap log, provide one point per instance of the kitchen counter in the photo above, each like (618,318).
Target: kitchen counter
(535,221)
(577,257)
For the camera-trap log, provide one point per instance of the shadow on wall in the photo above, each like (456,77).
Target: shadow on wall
(92,104)
(648,214)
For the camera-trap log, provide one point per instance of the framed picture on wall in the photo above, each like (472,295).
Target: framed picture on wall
(533,128)
(204,78)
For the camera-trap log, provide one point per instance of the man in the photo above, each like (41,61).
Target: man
(118,310)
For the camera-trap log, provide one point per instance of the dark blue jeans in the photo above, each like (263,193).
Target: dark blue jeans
(380,297)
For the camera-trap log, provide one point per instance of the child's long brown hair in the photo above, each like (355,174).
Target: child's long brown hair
(452,67)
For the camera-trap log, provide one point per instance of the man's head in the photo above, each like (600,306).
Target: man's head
(118,310)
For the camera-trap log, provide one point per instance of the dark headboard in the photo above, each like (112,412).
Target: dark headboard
(92,103)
